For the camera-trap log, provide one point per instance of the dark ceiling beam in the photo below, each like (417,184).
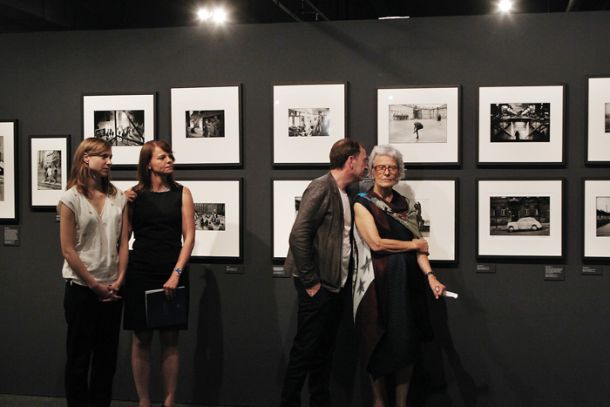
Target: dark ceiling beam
(572,4)
(47,13)
(316,11)
(286,10)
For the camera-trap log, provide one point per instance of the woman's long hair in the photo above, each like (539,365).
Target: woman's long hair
(144,172)
(80,175)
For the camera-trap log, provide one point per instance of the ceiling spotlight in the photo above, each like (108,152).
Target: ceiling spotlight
(219,15)
(204,14)
(505,6)
(216,15)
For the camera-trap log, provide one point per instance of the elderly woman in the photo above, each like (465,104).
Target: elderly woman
(391,277)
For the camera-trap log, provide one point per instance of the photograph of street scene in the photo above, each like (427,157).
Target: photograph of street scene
(520,215)
(520,122)
(418,123)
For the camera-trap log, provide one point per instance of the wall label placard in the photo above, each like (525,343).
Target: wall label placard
(592,270)
(486,268)
(278,271)
(12,236)
(554,273)
(234,269)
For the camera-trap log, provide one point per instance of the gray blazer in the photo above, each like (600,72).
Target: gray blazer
(316,239)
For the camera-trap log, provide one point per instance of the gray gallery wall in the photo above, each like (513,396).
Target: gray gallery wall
(512,339)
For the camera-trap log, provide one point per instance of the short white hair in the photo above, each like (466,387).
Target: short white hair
(390,151)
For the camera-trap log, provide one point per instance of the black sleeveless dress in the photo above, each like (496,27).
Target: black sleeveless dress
(393,316)
(157,226)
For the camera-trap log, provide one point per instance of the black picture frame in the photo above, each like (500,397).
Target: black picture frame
(445,253)
(125,157)
(595,142)
(210,247)
(505,246)
(9,177)
(48,187)
(595,247)
(452,96)
(282,218)
(522,154)
(306,152)
(225,152)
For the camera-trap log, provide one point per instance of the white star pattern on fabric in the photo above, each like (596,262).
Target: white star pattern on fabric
(363,275)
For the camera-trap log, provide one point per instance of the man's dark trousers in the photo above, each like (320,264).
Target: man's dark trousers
(311,354)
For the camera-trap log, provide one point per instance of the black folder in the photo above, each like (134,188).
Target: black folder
(162,311)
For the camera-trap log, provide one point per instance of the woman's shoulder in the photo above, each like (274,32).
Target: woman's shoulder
(70,195)
(364,199)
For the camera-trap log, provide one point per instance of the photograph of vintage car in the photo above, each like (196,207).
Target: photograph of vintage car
(524,224)
(520,215)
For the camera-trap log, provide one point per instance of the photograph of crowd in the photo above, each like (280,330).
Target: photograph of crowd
(205,123)
(49,170)
(120,127)
(520,215)
(603,215)
(1,168)
(308,122)
(210,216)
(520,122)
(418,123)
(607,117)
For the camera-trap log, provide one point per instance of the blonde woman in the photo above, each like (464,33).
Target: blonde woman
(93,237)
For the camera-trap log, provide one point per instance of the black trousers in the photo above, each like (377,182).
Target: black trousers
(312,350)
(92,342)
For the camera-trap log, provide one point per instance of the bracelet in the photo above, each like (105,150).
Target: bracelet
(178,270)
(428,274)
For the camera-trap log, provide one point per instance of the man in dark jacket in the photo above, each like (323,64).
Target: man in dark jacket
(318,259)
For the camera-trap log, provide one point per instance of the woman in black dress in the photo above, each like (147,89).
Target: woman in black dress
(162,218)
(391,274)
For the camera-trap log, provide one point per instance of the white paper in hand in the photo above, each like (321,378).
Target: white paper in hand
(449,294)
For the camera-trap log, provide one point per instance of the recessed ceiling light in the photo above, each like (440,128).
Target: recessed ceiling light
(505,6)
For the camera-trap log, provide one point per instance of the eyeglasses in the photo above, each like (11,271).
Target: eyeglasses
(382,168)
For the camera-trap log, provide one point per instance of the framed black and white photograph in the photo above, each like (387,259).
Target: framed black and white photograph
(597,219)
(287,196)
(218,219)
(598,121)
(521,125)
(8,172)
(520,218)
(206,126)
(436,203)
(307,121)
(125,121)
(423,123)
(49,170)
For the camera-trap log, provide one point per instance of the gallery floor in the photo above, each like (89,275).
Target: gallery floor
(10,400)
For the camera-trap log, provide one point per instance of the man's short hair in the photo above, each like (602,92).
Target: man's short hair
(342,150)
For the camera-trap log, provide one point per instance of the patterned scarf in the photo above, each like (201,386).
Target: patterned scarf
(406,218)
(363,265)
